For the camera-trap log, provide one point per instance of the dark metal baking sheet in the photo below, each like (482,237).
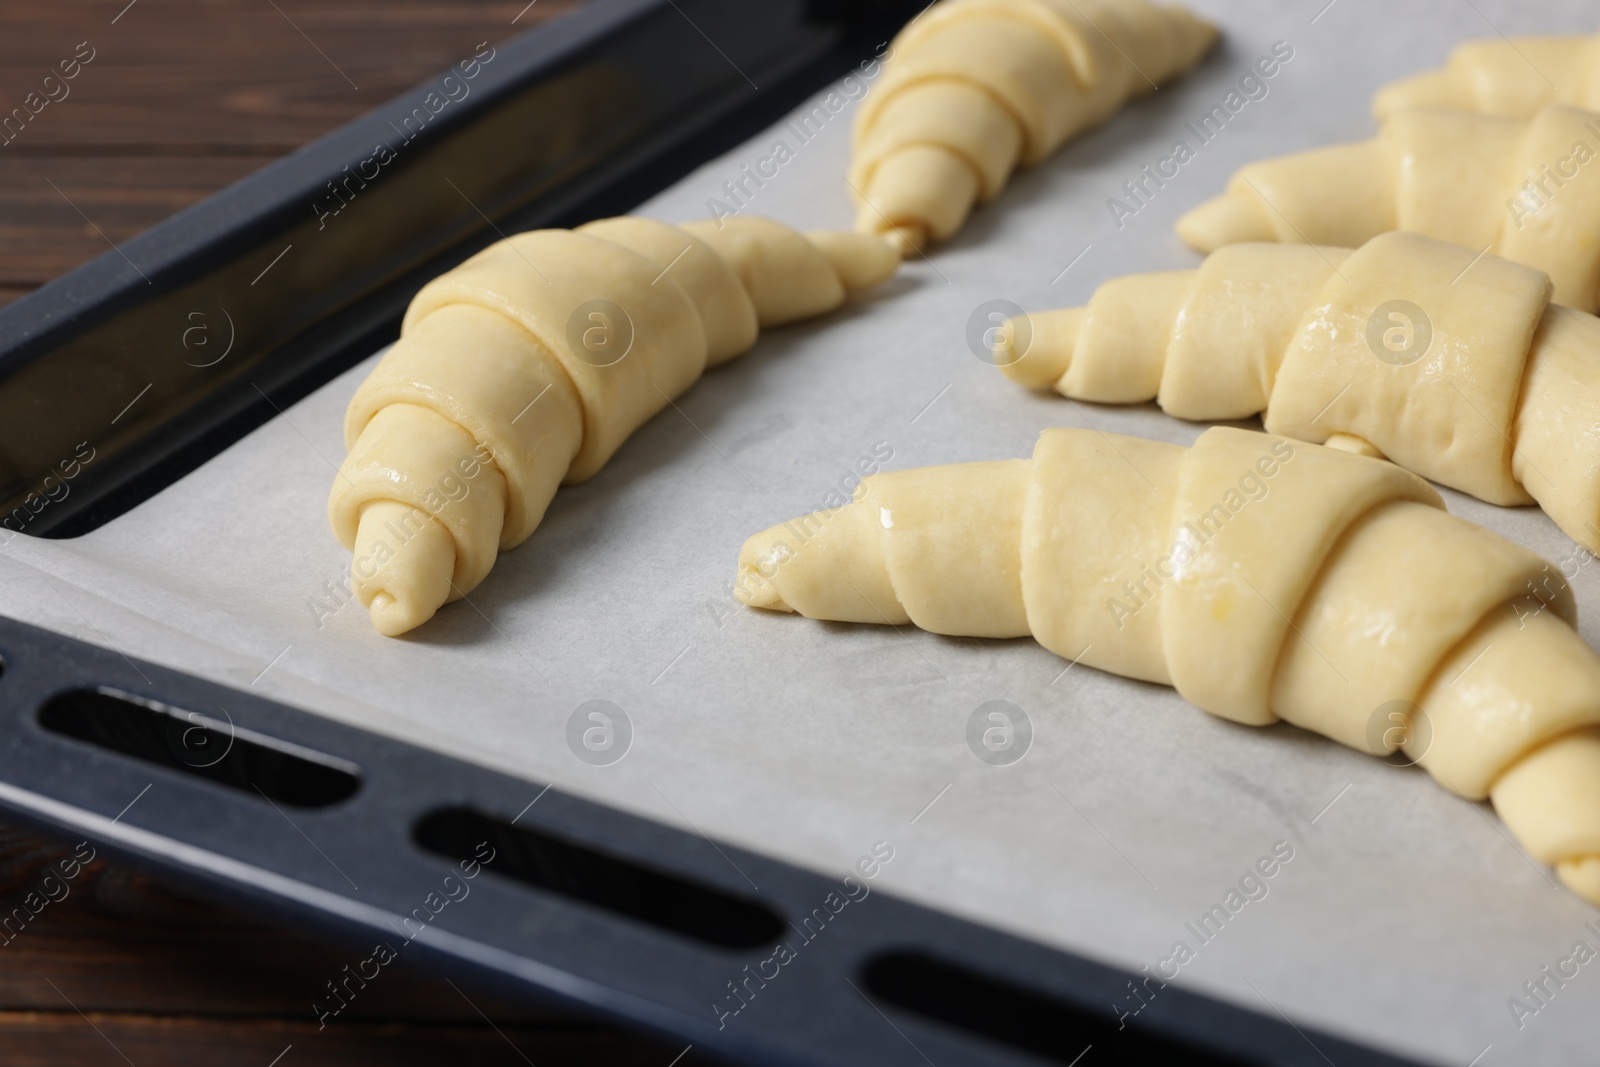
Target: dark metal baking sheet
(581,119)
(554,896)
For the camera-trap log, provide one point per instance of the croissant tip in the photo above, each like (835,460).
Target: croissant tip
(861,260)
(392,616)
(1387,101)
(1036,349)
(1222,220)
(1434,88)
(1582,876)
(756,592)
(907,239)
(1206,34)
(759,559)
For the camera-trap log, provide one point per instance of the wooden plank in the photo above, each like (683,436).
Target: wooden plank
(58,211)
(234,71)
(178,100)
(116,941)
(170,979)
(100,1040)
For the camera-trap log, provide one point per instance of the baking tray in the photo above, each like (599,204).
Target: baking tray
(260,740)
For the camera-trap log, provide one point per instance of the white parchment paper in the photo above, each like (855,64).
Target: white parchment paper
(1406,917)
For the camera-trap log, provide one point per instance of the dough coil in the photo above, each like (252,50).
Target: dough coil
(1265,579)
(1514,77)
(528,365)
(973,87)
(1525,189)
(1453,365)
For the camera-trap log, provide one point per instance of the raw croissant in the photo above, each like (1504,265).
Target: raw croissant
(528,365)
(1263,578)
(1524,189)
(975,86)
(1514,77)
(1498,393)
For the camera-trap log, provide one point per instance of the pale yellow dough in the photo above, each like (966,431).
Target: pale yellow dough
(1525,189)
(1264,578)
(509,380)
(1513,77)
(1501,399)
(973,87)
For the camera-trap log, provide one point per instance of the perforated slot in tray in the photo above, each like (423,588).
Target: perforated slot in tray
(581,873)
(201,745)
(952,995)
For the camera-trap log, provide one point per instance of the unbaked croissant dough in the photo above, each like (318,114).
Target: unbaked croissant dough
(528,365)
(1265,579)
(1500,76)
(1498,393)
(975,86)
(1525,189)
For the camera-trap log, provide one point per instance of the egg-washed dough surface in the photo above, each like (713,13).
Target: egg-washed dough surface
(1404,918)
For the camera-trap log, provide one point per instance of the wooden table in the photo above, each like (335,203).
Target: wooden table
(177,99)
(182,97)
(118,969)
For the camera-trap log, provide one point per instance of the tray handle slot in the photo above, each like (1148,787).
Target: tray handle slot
(951,995)
(603,880)
(202,745)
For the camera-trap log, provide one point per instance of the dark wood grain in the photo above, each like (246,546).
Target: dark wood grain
(183,97)
(42,1040)
(118,965)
